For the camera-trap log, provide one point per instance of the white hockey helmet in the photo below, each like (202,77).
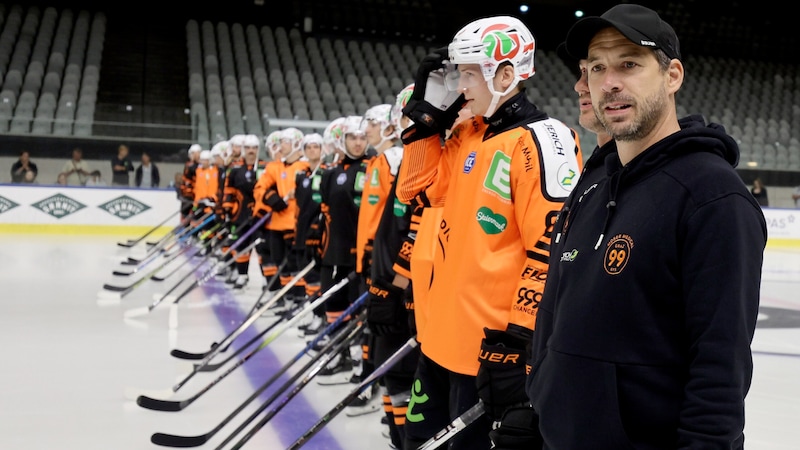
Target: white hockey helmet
(237,140)
(313,138)
(397,109)
(220,149)
(332,136)
(273,143)
(382,114)
(294,137)
(251,140)
(489,42)
(194,148)
(205,154)
(354,125)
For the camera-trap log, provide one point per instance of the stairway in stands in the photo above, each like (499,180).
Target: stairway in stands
(143,79)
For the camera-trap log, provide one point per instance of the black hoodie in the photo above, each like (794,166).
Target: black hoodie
(643,334)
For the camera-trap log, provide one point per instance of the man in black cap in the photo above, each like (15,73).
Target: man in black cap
(642,338)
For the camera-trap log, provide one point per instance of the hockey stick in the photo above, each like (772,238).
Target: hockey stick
(338,343)
(172,405)
(197,247)
(366,383)
(171,440)
(269,285)
(131,243)
(154,253)
(166,245)
(226,342)
(454,427)
(158,299)
(211,245)
(181,354)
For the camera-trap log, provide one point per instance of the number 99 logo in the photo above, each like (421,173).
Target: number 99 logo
(617,254)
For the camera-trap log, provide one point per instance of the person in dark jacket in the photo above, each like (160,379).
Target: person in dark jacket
(643,333)
(146,175)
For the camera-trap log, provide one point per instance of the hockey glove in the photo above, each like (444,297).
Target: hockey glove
(432,107)
(314,243)
(518,430)
(502,372)
(385,309)
(274,201)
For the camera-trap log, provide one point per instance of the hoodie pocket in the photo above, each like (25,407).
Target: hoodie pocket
(577,402)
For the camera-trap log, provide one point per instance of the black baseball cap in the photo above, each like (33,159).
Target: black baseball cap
(639,24)
(570,61)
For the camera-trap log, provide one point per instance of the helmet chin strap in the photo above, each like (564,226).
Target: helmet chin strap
(496,96)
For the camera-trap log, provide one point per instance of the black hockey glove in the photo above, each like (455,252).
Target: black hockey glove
(502,373)
(432,107)
(274,201)
(314,242)
(518,430)
(386,309)
(366,259)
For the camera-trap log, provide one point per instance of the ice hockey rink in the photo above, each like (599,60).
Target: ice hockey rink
(76,359)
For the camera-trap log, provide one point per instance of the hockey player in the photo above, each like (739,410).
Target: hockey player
(238,204)
(308,208)
(187,179)
(501,179)
(206,184)
(341,187)
(380,173)
(275,191)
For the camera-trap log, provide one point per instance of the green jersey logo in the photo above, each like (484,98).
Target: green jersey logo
(417,397)
(498,179)
(490,222)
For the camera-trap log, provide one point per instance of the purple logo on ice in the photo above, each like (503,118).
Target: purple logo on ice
(124,207)
(58,206)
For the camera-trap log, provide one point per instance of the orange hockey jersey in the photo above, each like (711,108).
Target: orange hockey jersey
(206,183)
(381,172)
(499,196)
(277,184)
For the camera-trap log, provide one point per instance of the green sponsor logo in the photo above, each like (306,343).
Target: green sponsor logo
(360,181)
(498,179)
(417,398)
(373,199)
(398,208)
(124,207)
(58,206)
(490,222)
(374,179)
(6,204)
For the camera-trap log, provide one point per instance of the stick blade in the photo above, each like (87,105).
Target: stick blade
(171,440)
(158,405)
(123,274)
(125,244)
(112,288)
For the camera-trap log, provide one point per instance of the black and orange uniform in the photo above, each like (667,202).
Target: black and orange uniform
(341,187)
(390,259)
(237,204)
(187,187)
(308,198)
(275,191)
(206,187)
(500,182)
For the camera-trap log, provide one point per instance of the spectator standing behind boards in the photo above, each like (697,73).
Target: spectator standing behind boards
(95,179)
(76,169)
(759,192)
(628,301)
(121,167)
(146,175)
(24,171)
(796,196)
